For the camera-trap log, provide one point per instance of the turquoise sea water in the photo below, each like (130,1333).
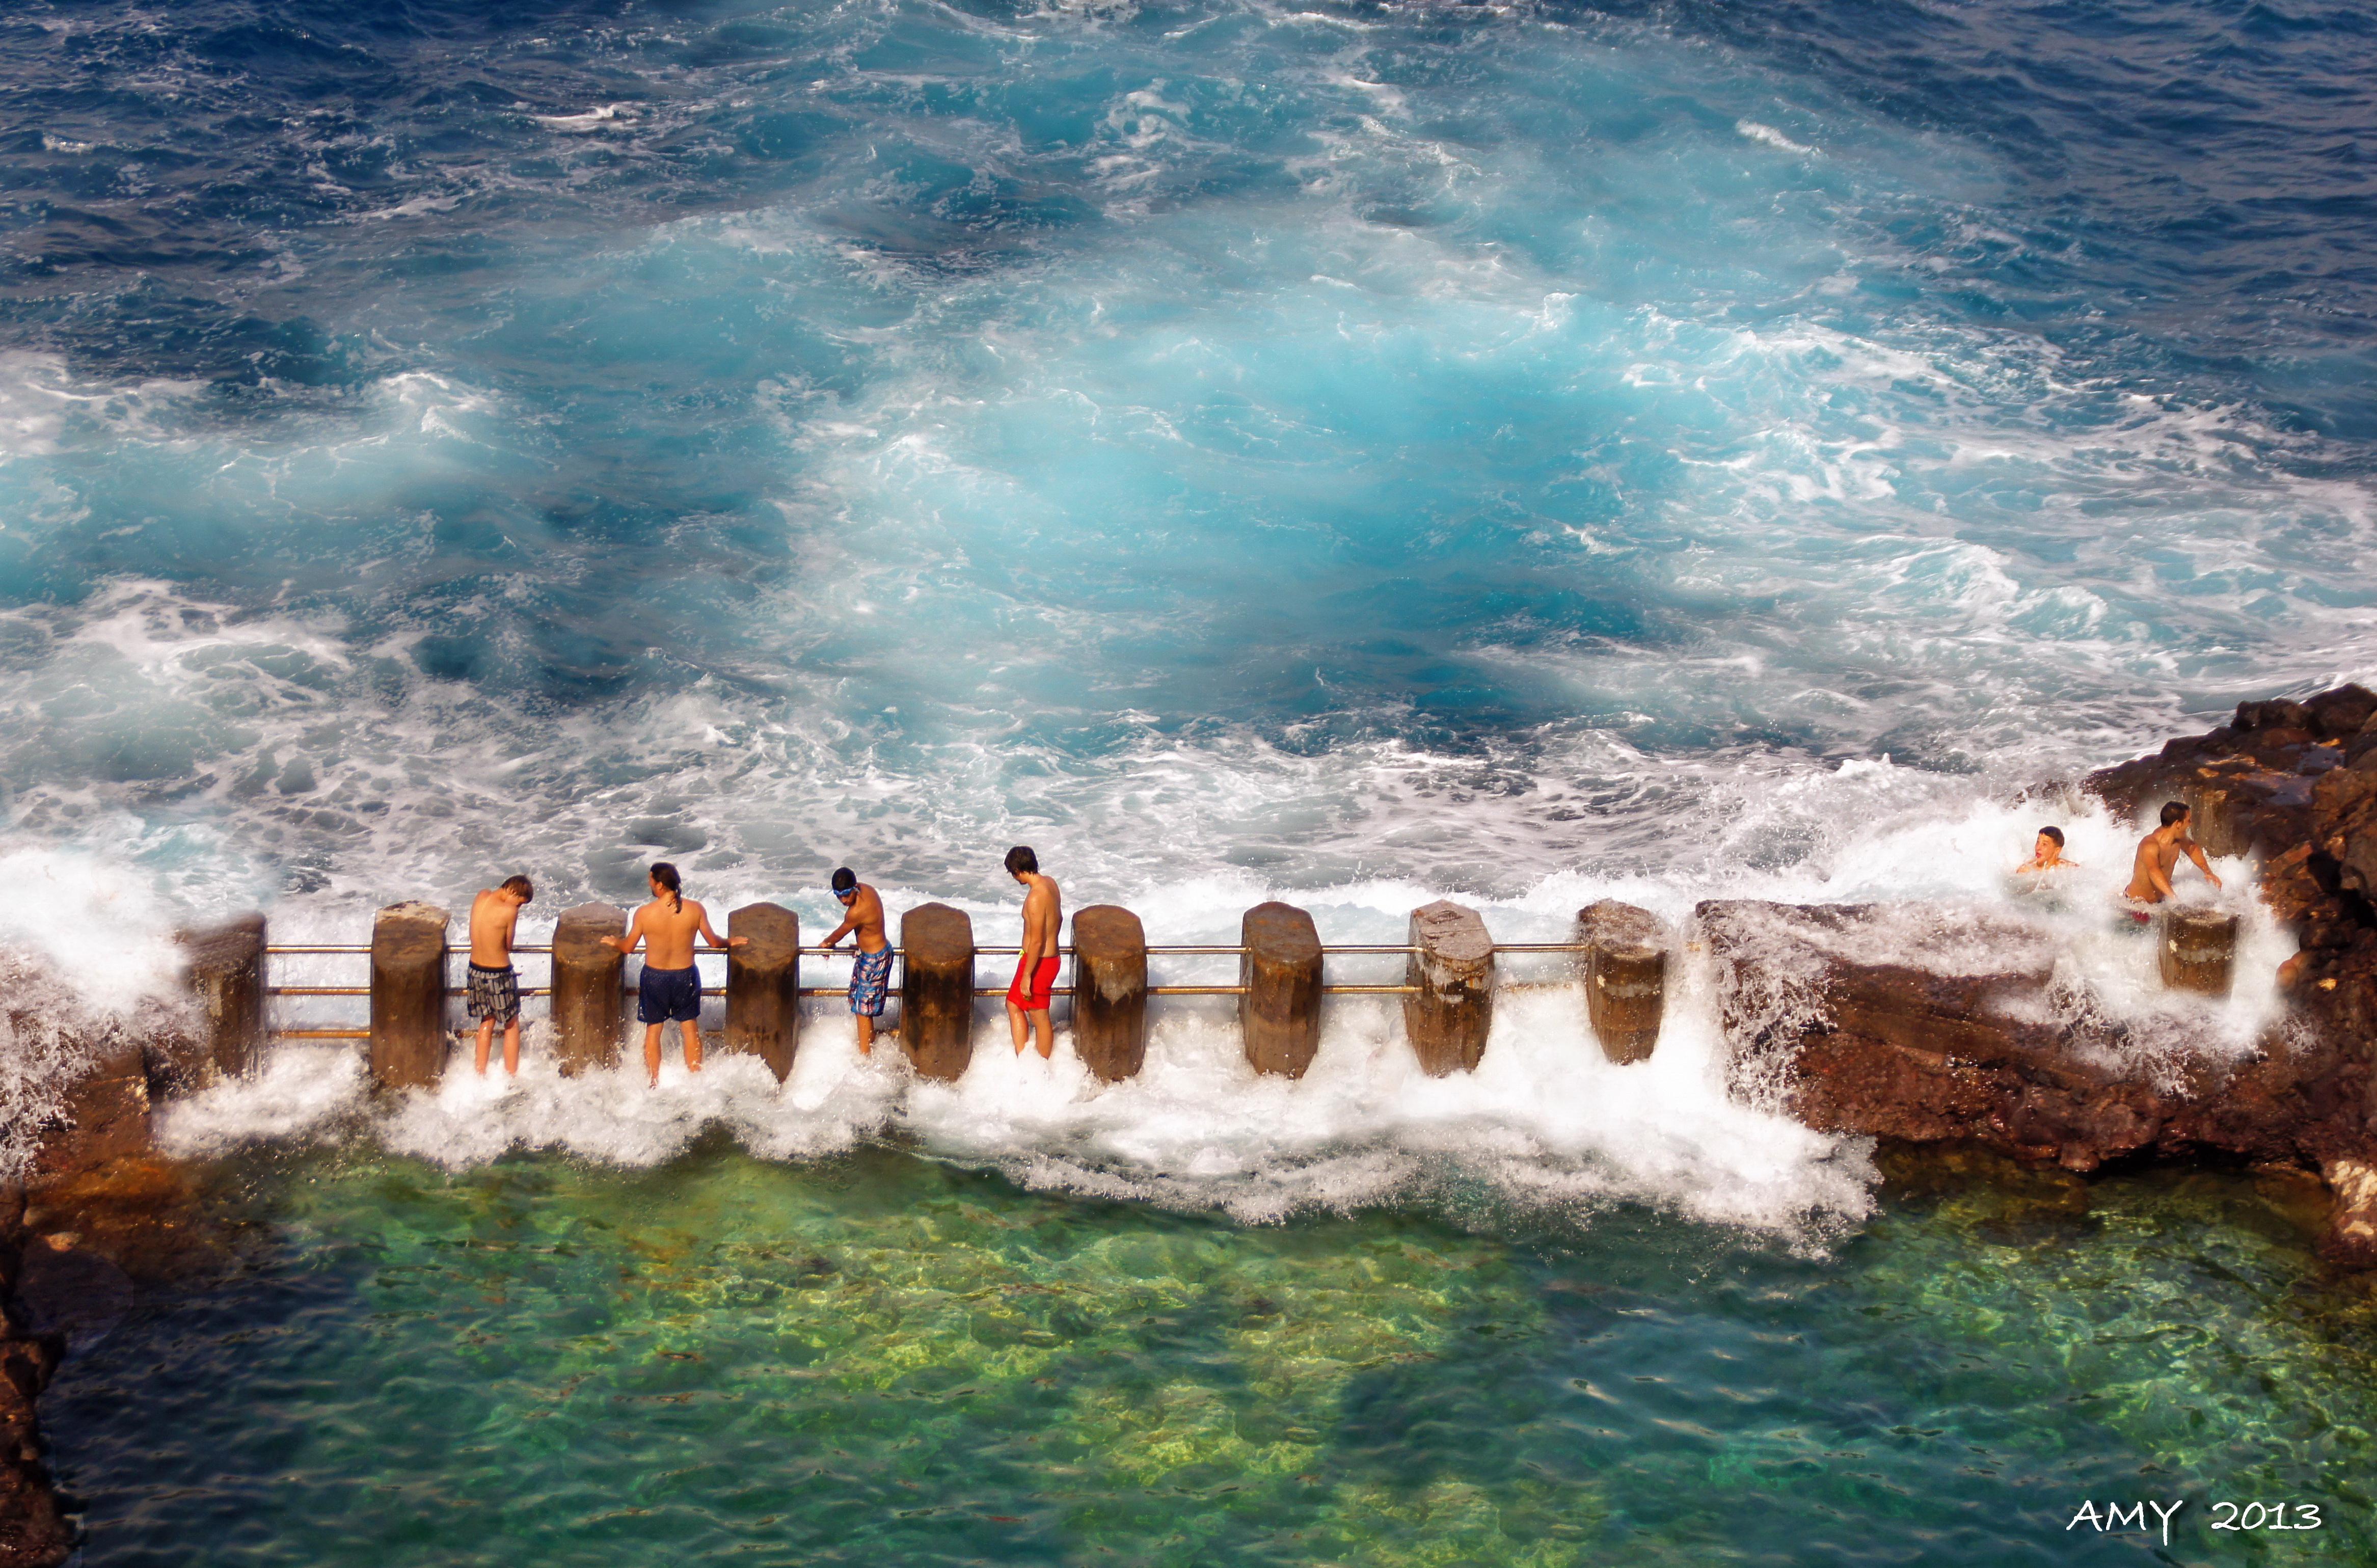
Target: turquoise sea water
(888,1360)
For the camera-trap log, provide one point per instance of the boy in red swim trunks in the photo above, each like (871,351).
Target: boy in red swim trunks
(1035,968)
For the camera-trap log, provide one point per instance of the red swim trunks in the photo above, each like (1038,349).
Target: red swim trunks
(1042,985)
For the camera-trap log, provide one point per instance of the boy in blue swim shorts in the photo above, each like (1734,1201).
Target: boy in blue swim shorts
(870,975)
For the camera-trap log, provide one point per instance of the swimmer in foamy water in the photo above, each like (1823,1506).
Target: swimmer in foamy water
(2159,854)
(870,976)
(1036,966)
(2046,855)
(494,984)
(670,989)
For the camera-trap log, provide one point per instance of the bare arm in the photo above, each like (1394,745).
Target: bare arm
(849,922)
(711,937)
(2196,853)
(635,934)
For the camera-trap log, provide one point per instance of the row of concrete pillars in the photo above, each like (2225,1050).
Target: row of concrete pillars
(1622,955)
(1448,999)
(1447,1010)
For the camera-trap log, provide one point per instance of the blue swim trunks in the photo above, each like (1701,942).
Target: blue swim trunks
(869,979)
(669,996)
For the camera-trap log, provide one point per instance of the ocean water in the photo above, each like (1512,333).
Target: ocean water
(1355,453)
(889,1359)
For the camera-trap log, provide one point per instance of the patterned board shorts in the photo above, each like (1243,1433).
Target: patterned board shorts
(494,993)
(869,979)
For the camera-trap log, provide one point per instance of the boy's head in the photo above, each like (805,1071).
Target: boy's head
(845,883)
(521,888)
(2052,835)
(1021,860)
(2174,813)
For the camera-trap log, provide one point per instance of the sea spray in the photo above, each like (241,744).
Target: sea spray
(88,972)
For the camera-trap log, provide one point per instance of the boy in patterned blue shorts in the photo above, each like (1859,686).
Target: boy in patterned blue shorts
(870,975)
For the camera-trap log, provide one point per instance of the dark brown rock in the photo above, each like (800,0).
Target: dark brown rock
(33,1529)
(2344,712)
(226,978)
(104,1117)
(408,996)
(1448,1017)
(1851,1019)
(763,986)
(936,991)
(1624,966)
(589,999)
(1279,1011)
(1110,990)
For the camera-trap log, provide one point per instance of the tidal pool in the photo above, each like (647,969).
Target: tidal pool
(887,1359)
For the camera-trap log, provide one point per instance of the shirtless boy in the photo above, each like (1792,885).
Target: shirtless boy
(495,985)
(1035,968)
(2046,855)
(870,976)
(669,989)
(2159,854)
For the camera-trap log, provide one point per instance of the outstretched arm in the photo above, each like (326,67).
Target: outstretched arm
(711,937)
(2196,853)
(635,934)
(849,922)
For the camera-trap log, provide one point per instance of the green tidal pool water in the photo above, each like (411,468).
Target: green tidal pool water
(887,1360)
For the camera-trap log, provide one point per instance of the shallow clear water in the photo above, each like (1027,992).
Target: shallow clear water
(884,1358)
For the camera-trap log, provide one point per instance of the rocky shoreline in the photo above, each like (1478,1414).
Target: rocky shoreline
(1923,1026)
(1959,1037)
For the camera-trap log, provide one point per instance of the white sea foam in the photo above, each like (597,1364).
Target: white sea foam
(90,969)
(1771,137)
(1545,1121)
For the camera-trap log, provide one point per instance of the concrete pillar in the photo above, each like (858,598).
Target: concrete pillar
(1279,1012)
(1447,1018)
(226,978)
(408,996)
(590,1008)
(936,991)
(2199,950)
(1109,990)
(1625,969)
(763,986)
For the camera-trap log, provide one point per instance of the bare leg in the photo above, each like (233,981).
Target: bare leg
(511,1049)
(653,1052)
(1047,1032)
(486,1040)
(866,1033)
(1017,1026)
(692,1032)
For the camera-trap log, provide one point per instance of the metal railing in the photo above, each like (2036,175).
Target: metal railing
(1154,949)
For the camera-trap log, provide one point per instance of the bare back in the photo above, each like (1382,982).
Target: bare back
(493,917)
(1043,917)
(668,934)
